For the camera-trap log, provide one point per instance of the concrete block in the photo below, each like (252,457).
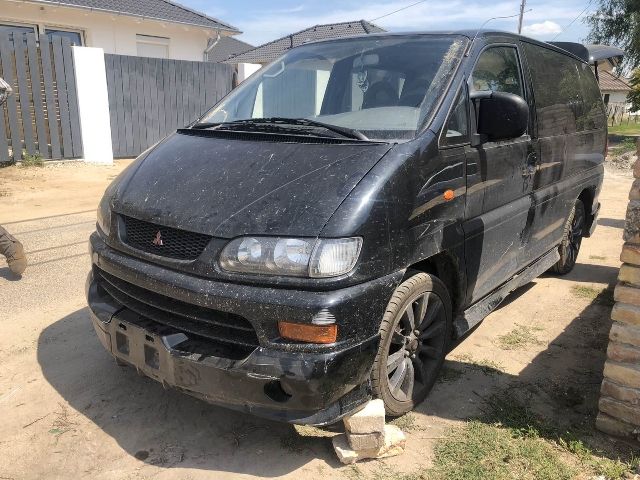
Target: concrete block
(627,294)
(365,441)
(394,444)
(628,395)
(620,410)
(626,313)
(615,427)
(625,333)
(368,420)
(629,274)
(630,253)
(623,353)
(622,373)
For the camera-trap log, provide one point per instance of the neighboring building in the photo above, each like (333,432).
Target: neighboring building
(614,89)
(268,52)
(147,28)
(225,48)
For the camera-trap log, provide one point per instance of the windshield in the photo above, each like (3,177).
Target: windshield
(387,88)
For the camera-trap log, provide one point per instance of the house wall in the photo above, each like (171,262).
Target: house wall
(616,97)
(111,32)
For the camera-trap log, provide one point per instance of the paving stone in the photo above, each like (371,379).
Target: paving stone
(630,274)
(625,333)
(370,419)
(394,444)
(627,294)
(619,352)
(620,392)
(630,253)
(620,410)
(365,441)
(607,424)
(626,313)
(634,194)
(622,374)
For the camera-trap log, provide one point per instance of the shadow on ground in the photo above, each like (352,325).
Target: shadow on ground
(166,428)
(611,222)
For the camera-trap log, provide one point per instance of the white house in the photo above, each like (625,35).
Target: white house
(614,90)
(147,28)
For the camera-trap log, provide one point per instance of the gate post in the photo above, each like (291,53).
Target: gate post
(93,104)
(620,394)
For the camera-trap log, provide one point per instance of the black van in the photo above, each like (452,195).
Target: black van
(333,226)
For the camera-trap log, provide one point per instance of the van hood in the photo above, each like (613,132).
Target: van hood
(227,187)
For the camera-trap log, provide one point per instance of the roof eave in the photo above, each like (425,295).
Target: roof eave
(222,27)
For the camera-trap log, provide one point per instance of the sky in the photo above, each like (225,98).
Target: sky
(262,21)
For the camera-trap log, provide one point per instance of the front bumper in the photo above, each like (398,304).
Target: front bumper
(306,384)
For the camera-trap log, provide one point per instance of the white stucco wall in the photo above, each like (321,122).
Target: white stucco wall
(616,97)
(245,70)
(111,32)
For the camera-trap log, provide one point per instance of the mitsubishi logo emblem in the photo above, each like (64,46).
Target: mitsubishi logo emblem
(158,240)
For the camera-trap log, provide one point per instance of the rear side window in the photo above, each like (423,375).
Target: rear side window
(566,93)
(498,70)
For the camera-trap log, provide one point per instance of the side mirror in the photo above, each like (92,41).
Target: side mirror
(500,116)
(5,91)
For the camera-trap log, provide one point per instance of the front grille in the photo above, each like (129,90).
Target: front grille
(233,334)
(163,241)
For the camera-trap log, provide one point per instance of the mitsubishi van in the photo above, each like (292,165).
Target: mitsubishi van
(328,231)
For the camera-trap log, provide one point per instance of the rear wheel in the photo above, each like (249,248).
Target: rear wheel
(415,334)
(572,240)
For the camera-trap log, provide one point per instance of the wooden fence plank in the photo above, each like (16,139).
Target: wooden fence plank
(120,105)
(4,146)
(20,49)
(63,102)
(135,124)
(127,97)
(47,75)
(36,88)
(6,54)
(171,114)
(72,99)
(142,127)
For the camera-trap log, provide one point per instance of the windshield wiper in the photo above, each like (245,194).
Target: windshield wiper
(284,122)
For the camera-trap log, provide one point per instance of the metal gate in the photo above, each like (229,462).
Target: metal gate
(41,117)
(150,98)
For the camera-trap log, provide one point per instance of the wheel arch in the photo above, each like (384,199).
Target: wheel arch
(587,197)
(446,268)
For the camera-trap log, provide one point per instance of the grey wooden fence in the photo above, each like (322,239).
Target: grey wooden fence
(41,117)
(150,98)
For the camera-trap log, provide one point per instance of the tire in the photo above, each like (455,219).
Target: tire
(571,240)
(409,357)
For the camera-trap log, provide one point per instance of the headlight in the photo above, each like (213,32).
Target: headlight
(104,215)
(291,256)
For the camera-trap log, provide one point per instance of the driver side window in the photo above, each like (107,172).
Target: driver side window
(498,70)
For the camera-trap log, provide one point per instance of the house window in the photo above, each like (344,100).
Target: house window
(73,35)
(149,46)
(606,98)
(20,28)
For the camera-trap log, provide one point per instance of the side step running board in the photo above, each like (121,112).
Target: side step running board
(477,312)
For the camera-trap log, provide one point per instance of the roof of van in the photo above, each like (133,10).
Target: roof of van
(470,33)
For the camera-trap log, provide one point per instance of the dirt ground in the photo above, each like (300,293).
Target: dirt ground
(68,411)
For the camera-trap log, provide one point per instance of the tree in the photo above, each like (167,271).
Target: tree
(617,22)
(634,94)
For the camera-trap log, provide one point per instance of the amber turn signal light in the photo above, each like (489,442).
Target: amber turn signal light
(303,332)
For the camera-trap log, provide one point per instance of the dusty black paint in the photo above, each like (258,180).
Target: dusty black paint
(505,220)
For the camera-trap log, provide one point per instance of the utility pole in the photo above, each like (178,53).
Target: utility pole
(522,5)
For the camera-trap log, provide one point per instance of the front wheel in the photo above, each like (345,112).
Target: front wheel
(572,239)
(415,334)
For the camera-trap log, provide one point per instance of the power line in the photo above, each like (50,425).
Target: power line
(396,11)
(564,29)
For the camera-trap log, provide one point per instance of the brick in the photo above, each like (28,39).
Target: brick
(630,396)
(365,441)
(623,353)
(394,444)
(632,225)
(629,274)
(625,333)
(368,420)
(627,294)
(620,410)
(630,253)
(634,194)
(622,374)
(626,313)
(615,427)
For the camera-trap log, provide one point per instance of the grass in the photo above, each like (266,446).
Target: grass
(31,160)
(601,296)
(449,374)
(519,338)
(630,129)
(486,366)
(406,423)
(597,257)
